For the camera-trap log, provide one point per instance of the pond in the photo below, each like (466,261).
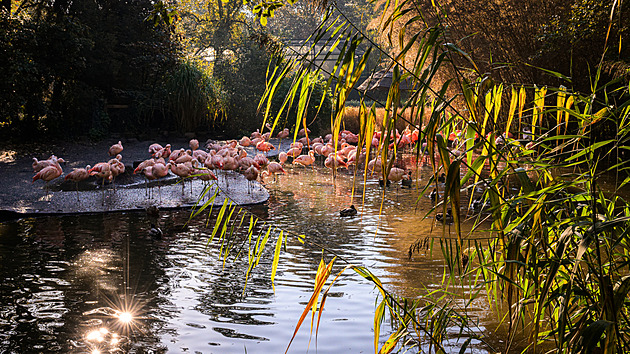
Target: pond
(69,283)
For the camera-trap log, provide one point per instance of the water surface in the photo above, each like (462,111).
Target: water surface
(67,281)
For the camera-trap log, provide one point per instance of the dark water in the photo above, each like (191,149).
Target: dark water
(67,281)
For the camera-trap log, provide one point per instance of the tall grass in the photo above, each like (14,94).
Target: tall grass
(352,118)
(556,265)
(194,98)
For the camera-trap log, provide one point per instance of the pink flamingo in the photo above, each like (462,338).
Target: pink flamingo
(115,149)
(245,141)
(51,161)
(163,152)
(333,161)
(305,160)
(229,163)
(186,157)
(396,174)
(261,160)
(116,168)
(183,171)
(77,175)
(375,165)
(102,170)
(251,174)
(194,144)
(265,146)
(153,148)
(294,152)
(176,154)
(157,171)
(283,134)
(274,168)
(49,173)
(200,155)
(282,157)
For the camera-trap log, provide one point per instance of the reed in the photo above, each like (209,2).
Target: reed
(556,263)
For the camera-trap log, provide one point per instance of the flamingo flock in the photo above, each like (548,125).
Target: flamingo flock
(216,160)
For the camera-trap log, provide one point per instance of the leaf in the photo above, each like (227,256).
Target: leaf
(592,334)
(379,315)
(276,259)
(391,342)
(321,277)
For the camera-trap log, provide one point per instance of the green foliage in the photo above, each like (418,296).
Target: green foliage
(556,262)
(193,96)
(317,113)
(65,62)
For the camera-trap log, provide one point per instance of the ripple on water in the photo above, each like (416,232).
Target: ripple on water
(190,299)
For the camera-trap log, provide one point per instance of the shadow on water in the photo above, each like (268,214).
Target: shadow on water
(69,283)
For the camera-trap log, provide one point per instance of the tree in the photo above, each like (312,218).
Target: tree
(66,60)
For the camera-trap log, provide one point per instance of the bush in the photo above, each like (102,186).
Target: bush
(192,96)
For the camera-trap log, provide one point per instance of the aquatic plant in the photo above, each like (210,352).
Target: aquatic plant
(556,262)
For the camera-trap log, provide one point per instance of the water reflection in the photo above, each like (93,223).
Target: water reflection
(100,283)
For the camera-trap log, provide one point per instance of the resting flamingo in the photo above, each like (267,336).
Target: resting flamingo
(245,141)
(265,146)
(102,170)
(51,161)
(77,175)
(305,160)
(282,157)
(115,149)
(251,174)
(194,144)
(275,168)
(49,173)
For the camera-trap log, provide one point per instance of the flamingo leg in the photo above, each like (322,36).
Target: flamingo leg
(103,190)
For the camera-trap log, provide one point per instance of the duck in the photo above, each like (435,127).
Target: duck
(476,205)
(351,211)
(442,178)
(155,232)
(382,183)
(434,196)
(445,218)
(407,182)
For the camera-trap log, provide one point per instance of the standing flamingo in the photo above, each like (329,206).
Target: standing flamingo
(116,168)
(49,173)
(182,170)
(275,168)
(77,175)
(305,160)
(157,171)
(282,157)
(102,170)
(282,135)
(265,146)
(251,174)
